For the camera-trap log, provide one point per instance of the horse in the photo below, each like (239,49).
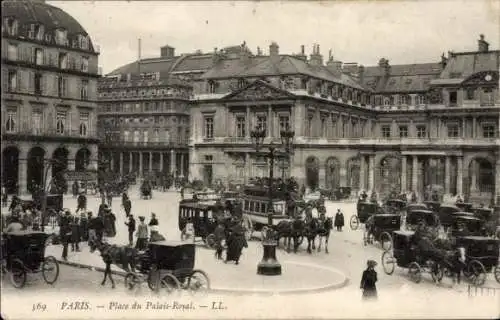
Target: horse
(290,230)
(324,232)
(124,257)
(311,231)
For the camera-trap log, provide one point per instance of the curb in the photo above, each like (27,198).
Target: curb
(328,287)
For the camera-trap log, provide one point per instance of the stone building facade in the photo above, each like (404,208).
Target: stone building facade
(49,93)
(384,127)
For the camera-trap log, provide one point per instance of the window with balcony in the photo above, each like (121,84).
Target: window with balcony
(10,124)
(262,123)
(38,83)
(84,123)
(421,99)
(378,100)
(156,135)
(212,87)
(63,60)
(126,136)
(84,90)
(12,26)
(61,37)
(37,57)
(386,131)
(403,131)
(167,135)
(489,131)
(209,127)
(453,131)
(85,64)
(421,131)
(240,127)
(453,98)
(12,52)
(145,136)
(37,122)
(387,101)
(62,86)
(284,123)
(137,135)
(470,94)
(12,85)
(60,122)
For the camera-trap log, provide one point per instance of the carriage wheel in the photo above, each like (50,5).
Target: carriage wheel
(17,273)
(386,241)
(50,269)
(132,281)
(210,241)
(388,262)
(415,272)
(497,273)
(198,281)
(354,222)
(170,283)
(477,273)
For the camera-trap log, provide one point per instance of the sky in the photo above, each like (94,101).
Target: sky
(355,31)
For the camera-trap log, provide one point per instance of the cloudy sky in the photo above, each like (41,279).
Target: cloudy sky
(356,31)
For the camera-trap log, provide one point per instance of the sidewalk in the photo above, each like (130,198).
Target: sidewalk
(297,277)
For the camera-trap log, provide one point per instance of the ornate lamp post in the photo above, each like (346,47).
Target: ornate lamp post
(46,187)
(269,265)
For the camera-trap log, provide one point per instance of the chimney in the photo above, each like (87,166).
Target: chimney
(303,50)
(244,52)
(444,61)
(482,45)
(316,58)
(335,67)
(361,73)
(274,49)
(302,56)
(259,51)
(167,52)
(383,63)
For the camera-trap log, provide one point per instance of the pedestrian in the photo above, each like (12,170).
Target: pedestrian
(65,233)
(219,234)
(131,229)
(84,226)
(74,188)
(109,197)
(369,280)
(75,235)
(126,204)
(82,203)
(339,220)
(235,243)
(92,228)
(153,221)
(142,235)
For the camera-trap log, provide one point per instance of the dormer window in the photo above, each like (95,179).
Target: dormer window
(83,42)
(12,26)
(61,37)
(212,86)
(241,83)
(85,64)
(37,56)
(63,60)
(35,32)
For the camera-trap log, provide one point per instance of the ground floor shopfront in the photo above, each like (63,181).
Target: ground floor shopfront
(473,174)
(26,164)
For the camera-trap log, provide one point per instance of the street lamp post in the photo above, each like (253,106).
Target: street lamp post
(269,265)
(46,169)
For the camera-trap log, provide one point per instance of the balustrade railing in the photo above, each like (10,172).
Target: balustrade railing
(51,132)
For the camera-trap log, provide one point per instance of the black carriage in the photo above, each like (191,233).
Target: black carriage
(364,211)
(463,206)
(414,217)
(24,252)
(168,265)
(380,229)
(416,206)
(433,205)
(405,255)
(342,193)
(396,205)
(465,223)
(146,190)
(484,214)
(445,214)
(482,257)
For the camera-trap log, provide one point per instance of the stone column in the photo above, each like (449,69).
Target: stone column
(161,161)
(248,124)
(460,172)
(182,165)
(362,173)
(497,180)
(172,162)
(111,161)
(403,173)
(414,176)
(371,173)
(447,175)
(473,128)
(121,163)
(141,168)
(150,161)
(71,164)
(130,162)
(22,176)
(473,175)
(270,122)
(463,128)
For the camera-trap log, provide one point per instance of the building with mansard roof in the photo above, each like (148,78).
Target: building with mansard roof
(383,128)
(49,93)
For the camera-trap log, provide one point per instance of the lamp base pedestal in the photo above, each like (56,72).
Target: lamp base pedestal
(269,266)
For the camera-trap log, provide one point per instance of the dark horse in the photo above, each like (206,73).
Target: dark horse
(290,230)
(312,226)
(124,257)
(324,228)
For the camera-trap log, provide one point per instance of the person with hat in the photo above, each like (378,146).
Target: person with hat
(81,202)
(65,232)
(142,235)
(131,229)
(369,280)
(153,221)
(339,220)
(126,204)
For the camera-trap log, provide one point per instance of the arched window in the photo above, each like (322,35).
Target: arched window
(387,101)
(10,125)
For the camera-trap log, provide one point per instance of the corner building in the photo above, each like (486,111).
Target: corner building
(381,128)
(49,93)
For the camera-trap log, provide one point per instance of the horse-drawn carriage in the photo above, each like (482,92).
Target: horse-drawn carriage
(364,211)
(465,223)
(395,206)
(482,213)
(463,206)
(380,227)
(433,205)
(414,217)
(24,252)
(146,190)
(170,266)
(482,257)
(416,206)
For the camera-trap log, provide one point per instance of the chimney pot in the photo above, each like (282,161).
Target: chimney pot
(302,50)
(274,49)
(482,45)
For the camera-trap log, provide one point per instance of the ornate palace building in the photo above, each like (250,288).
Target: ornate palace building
(384,127)
(49,93)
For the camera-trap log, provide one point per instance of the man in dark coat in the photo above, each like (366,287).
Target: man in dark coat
(126,204)
(153,221)
(75,235)
(74,189)
(131,229)
(82,202)
(99,226)
(339,220)
(219,234)
(65,233)
(369,280)
(235,243)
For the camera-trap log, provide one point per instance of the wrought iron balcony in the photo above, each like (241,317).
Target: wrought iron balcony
(47,133)
(142,144)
